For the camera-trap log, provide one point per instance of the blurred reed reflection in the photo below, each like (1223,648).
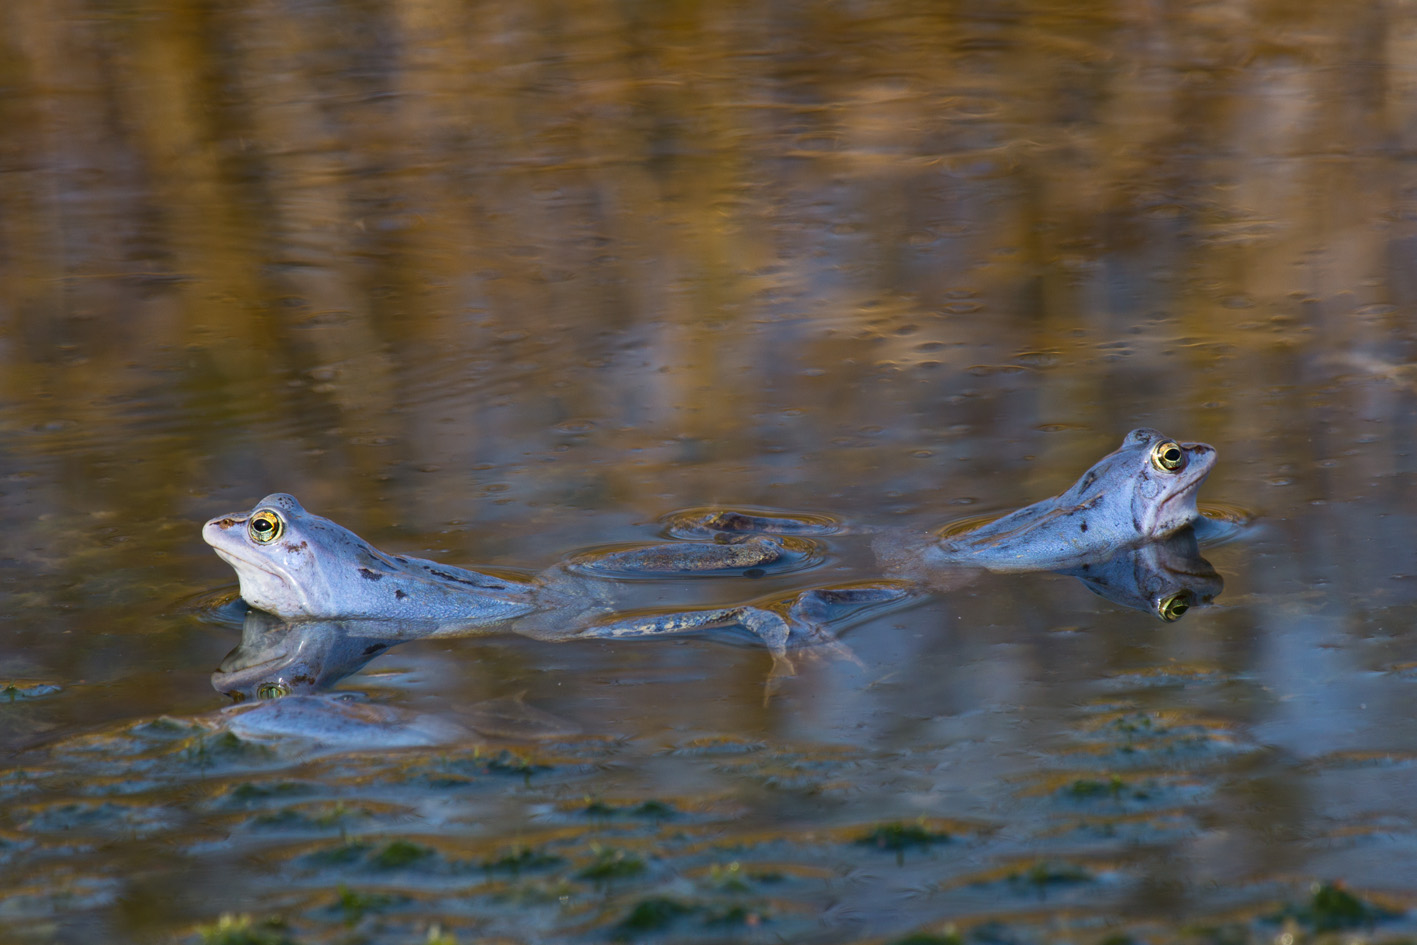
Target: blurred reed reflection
(542,257)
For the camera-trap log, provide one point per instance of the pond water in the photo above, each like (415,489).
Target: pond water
(498,284)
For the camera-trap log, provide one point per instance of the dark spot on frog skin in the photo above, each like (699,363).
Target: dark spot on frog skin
(1082,526)
(452,577)
(1087,481)
(368,575)
(376,648)
(400,559)
(226,523)
(292,546)
(400,595)
(303,680)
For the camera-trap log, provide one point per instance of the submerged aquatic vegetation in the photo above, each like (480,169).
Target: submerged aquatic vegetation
(317,817)
(949,937)
(653,914)
(1087,788)
(1330,908)
(243,930)
(1050,873)
(248,792)
(521,858)
(612,864)
(356,903)
(647,810)
(226,748)
(899,837)
(401,854)
(348,851)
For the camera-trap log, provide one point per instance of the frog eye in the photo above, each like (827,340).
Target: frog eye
(1168,455)
(1171,608)
(272,690)
(265,526)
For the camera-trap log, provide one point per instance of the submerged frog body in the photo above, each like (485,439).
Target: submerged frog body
(1142,492)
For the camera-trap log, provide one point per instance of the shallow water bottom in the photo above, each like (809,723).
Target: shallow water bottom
(1006,763)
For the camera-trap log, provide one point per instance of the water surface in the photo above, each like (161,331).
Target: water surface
(495,285)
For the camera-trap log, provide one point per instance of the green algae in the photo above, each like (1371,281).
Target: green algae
(653,915)
(243,930)
(401,854)
(354,904)
(611,865)
(521,859)
(898,837)
(1331,908)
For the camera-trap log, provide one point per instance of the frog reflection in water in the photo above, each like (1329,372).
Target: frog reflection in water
(278,658)
(299,566)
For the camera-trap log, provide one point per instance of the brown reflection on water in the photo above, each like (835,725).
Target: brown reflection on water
(436,264)
(273,190)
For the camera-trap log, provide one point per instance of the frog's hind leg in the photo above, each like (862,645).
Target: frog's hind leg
(770,627)
(792,621)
